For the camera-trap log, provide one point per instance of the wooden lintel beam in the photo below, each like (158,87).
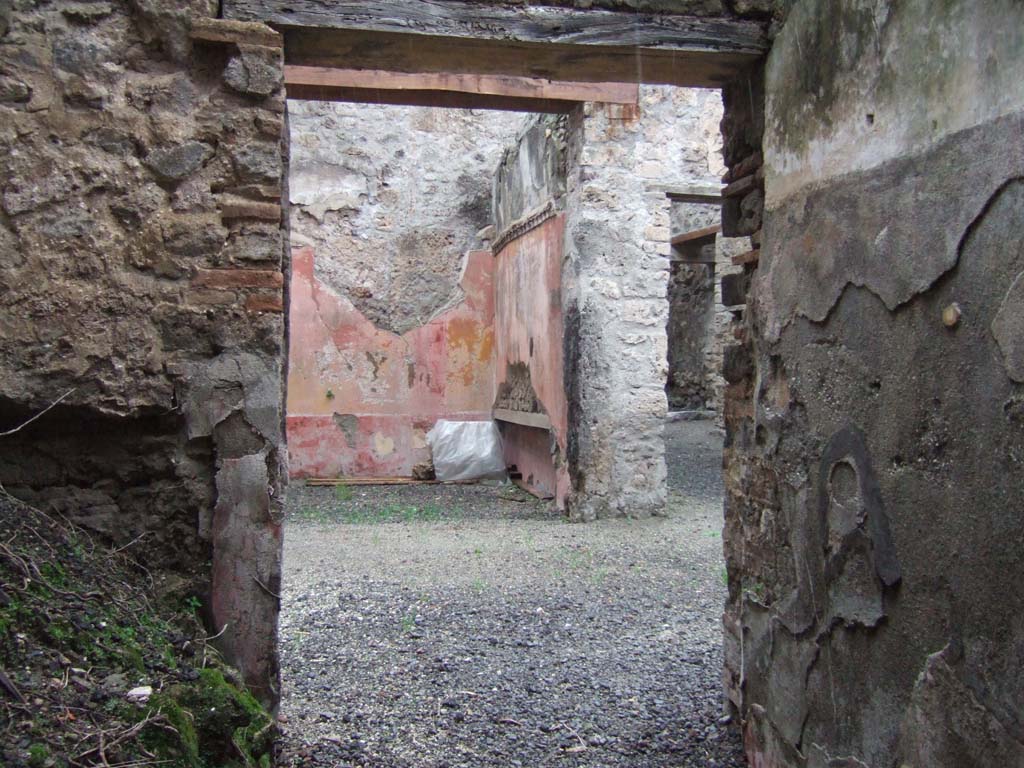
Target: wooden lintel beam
(511,23)
(705,235)
(324,80)
(445,99)
(560,44)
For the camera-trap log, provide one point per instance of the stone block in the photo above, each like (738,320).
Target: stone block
(645,311)
(657,234)
(734,289)
(175,163)
(13,90)
(237,32)
(257,163)
(233,279)
(255,71)
(232,207)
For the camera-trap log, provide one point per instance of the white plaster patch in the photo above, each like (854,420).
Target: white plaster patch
(383,445)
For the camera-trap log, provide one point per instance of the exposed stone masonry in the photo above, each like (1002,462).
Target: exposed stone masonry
(141,251)
(622,161)
(391,199)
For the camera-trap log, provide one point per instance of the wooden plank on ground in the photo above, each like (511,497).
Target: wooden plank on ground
(324,481)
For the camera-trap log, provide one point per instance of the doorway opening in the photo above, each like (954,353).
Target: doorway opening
(425,624)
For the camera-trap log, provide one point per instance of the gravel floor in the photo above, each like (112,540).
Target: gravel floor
(432,626)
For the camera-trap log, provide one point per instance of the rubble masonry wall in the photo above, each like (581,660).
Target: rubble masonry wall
(141,253)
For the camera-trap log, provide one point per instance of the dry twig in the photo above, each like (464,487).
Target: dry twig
(26,423)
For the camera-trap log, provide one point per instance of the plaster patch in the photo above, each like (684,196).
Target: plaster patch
(383,445)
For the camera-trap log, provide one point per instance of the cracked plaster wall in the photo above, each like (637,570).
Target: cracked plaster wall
(391,198)
(141,254)
(874,434)
(391,310)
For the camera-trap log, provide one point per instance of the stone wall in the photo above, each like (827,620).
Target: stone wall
(700,324)
(367,396)
(874,440)
(391,313)
(622,162)
(391,199)
(141,256)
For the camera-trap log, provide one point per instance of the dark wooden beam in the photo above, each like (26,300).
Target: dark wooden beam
(527,41)
(523,23)
(449,90)
(697,236)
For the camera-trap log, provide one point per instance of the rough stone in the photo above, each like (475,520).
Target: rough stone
(178,162)
(13,90)
(254,71)
(96,298)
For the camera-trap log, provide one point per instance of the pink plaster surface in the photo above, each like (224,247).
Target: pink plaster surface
(385,389)
(528,328)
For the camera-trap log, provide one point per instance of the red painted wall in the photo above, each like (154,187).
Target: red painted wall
(528,329)
(360,400)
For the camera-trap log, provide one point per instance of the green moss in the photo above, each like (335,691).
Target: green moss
(214,724)
(38,754)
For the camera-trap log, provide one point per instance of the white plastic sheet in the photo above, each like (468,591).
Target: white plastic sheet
(466,450)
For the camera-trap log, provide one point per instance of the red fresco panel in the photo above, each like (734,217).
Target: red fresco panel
(360,399)
(528,329)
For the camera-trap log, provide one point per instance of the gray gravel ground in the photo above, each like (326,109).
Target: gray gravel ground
(432,626)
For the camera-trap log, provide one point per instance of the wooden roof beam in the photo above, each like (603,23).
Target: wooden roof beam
(449,89)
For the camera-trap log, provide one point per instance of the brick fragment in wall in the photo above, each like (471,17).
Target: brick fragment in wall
(232,207)
(265,302)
